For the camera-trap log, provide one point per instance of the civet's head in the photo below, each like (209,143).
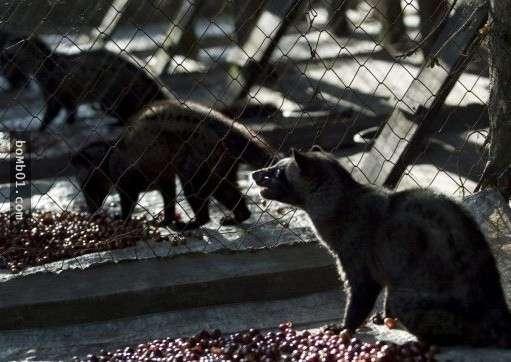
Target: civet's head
(92,172)
(302,177)
(24,55)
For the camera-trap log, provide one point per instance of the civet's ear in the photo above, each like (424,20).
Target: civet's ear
(305,163)
(277,156)
(316,148)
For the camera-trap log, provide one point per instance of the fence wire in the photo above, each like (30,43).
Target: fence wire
(118,94)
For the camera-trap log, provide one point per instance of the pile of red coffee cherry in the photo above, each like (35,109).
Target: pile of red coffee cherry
(42,237)
(285,344)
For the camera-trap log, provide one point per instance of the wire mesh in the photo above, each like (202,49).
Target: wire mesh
(287,73)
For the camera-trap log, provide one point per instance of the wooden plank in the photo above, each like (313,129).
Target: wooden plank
(101,33)
(181,25)
(250,60)
(400,137)
(245,64)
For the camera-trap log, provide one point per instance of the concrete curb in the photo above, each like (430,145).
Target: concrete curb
(135,287)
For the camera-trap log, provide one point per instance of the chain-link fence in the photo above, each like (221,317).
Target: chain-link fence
(129,128)
(123,96)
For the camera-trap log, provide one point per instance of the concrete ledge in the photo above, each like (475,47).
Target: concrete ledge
(308,311)
(135,287)
(63,342)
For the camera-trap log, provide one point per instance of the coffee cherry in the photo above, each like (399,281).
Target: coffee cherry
(391,323)
(285,345)
(345,336)
(44,237)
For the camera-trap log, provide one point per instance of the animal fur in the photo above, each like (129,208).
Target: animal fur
(200,146)
(114,81)
(422,248)
(14,76)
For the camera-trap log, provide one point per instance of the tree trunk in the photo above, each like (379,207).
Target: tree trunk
(497,173)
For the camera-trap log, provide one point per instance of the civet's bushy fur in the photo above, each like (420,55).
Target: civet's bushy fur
(16,78)
(116,82)
(201,146)
(424,249)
